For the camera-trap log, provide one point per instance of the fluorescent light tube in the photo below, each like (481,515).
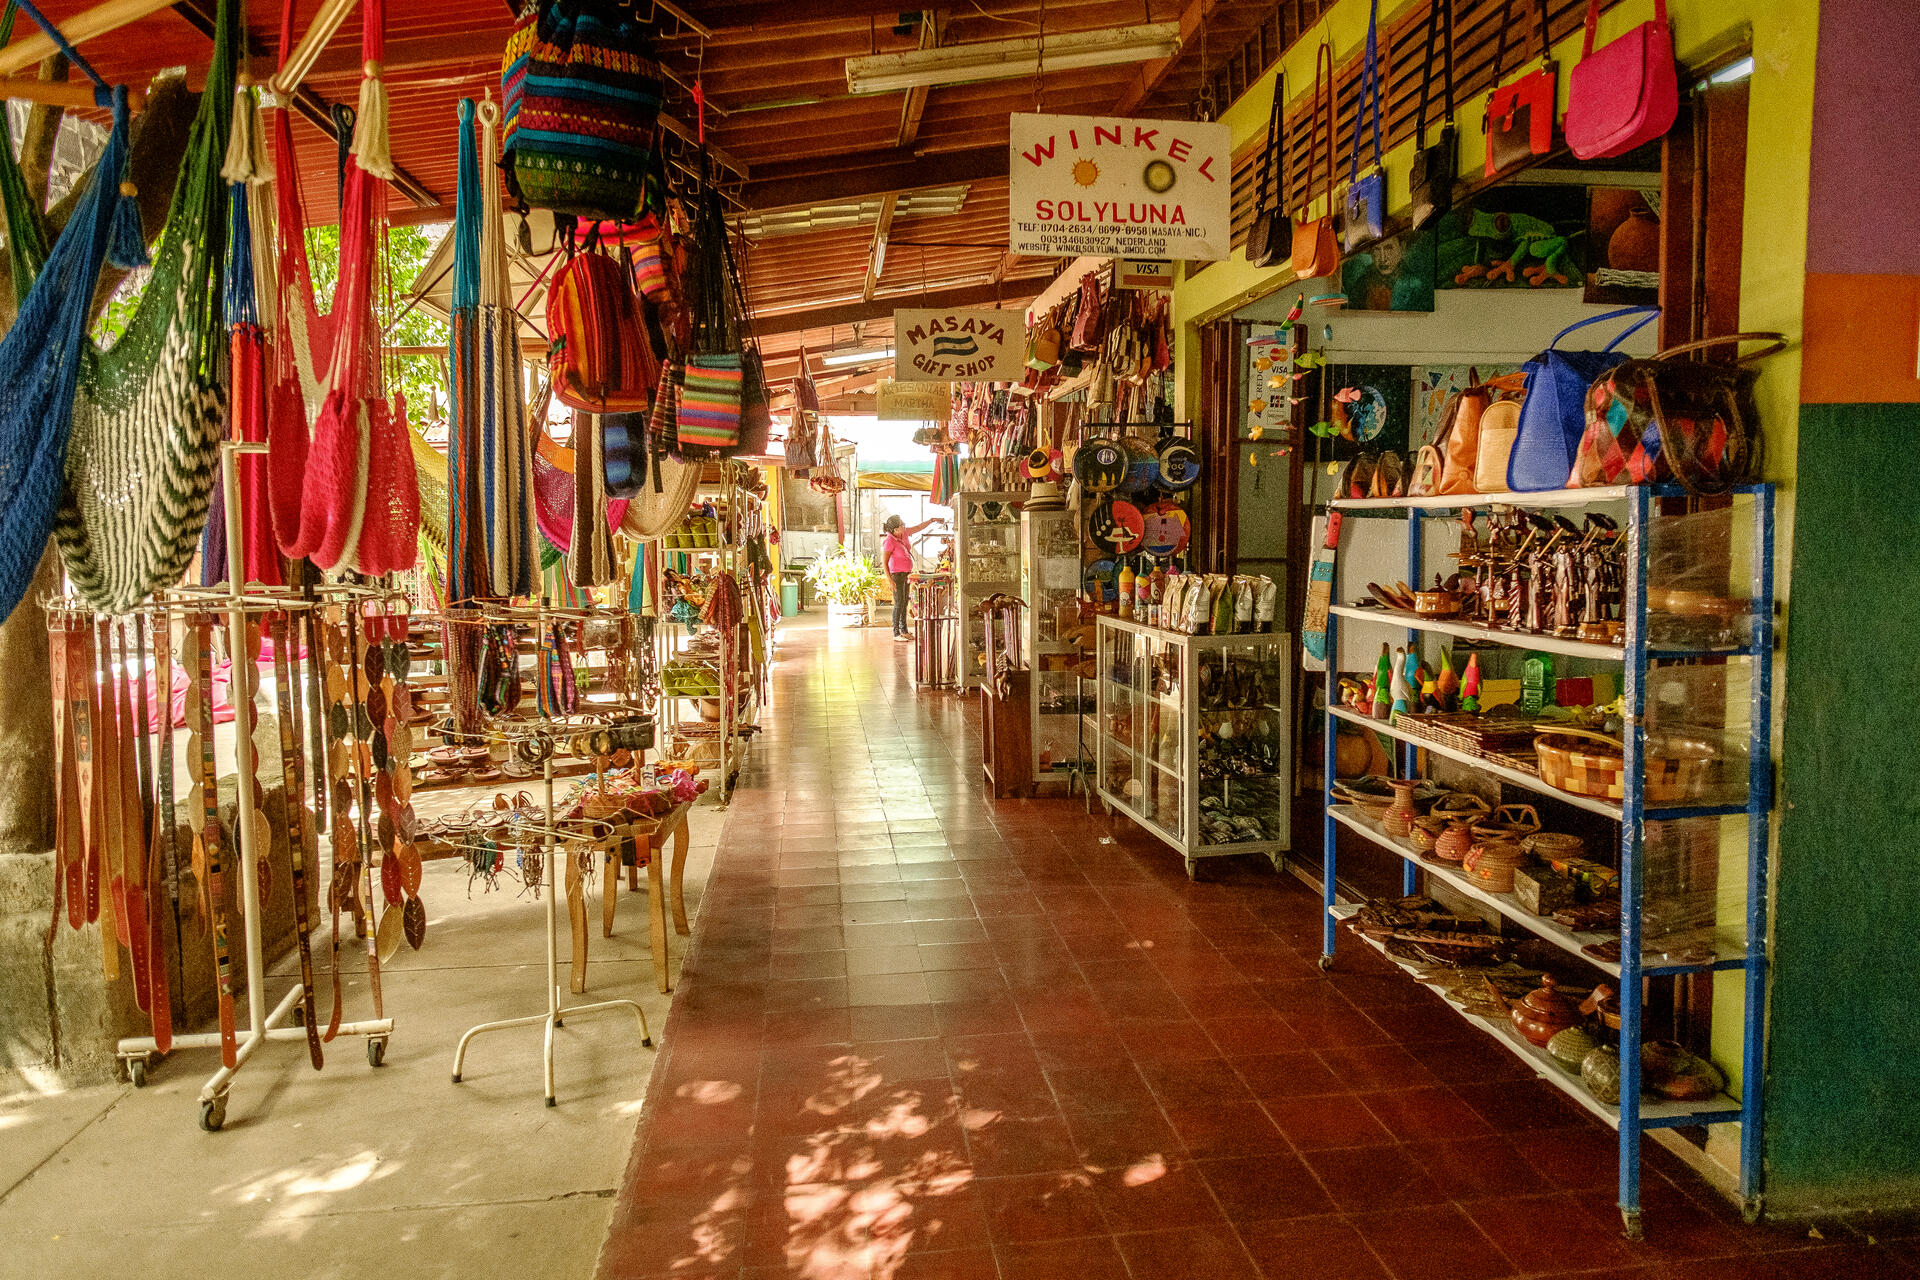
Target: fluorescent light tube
(1008,59)
(839,359)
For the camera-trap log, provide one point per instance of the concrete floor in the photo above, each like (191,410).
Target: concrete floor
(354,1172)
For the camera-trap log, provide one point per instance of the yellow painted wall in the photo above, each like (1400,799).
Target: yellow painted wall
(1772,286)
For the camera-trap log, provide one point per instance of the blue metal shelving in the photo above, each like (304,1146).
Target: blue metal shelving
(1635,1114)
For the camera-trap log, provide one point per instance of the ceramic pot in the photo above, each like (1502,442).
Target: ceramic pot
(1544,1013)
(1635,243)
(1398,820)
(1571,1047)
(1670,1070)
(1600,1070)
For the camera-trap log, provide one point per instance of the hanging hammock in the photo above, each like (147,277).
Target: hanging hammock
(247,346)
(347,496)
(41,357)
(148,416)
(490,449)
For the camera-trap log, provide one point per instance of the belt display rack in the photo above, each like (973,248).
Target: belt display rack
(536,742)
(239,1045)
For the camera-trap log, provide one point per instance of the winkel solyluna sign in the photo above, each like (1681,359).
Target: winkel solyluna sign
(959,346)
(1120,188)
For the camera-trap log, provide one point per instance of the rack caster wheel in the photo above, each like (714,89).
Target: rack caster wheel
(137,1072)
(552,1103)
(298,1018)
(213,1113)
(456,1077)
(376,1052)
(1326,964)
(1630,1219)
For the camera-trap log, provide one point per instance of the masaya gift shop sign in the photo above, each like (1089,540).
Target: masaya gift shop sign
(959,345)
(1119,188)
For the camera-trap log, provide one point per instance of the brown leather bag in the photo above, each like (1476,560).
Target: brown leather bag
(1316,241)
(1458,441)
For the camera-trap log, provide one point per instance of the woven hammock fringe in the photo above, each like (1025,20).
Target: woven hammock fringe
(247,159)
(371,146)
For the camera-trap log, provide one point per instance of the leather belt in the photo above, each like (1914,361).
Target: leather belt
(211,836)
(293,792)
(163,866)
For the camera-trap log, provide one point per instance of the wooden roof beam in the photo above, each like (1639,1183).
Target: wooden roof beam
(968,295)
(800,184)
(1151,74)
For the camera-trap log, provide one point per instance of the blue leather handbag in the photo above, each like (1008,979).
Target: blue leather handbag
(1553,415)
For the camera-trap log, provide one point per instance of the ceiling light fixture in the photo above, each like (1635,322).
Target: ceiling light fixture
(1009,59)
(841,359)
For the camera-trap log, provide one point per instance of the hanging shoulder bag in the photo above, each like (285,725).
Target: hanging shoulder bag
(1624,94)
(1271,233)
(1435,167)
(582,101)
(1519,119)
(1456,445)
(1316,246)
(1553,417)
(1366,202)
(1686,420)
(598,357)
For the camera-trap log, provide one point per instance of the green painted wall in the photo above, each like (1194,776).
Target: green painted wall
(1843,1097)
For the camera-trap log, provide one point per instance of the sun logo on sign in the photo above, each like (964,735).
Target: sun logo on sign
(1086,172)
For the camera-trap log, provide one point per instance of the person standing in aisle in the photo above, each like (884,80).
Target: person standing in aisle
(897,556)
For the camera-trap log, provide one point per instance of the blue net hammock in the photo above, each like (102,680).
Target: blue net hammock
(41,357)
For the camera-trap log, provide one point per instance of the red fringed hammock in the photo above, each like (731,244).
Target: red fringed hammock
(346,497)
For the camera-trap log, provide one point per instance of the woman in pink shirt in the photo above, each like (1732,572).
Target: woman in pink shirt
(896,556)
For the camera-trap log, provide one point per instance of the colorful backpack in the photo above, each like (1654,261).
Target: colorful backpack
(582,95)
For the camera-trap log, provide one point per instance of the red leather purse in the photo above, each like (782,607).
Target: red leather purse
(1519,119)
(1626,93)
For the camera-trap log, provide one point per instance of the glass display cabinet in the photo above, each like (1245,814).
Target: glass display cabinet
(1194,737)
(986,559)
(1050,588)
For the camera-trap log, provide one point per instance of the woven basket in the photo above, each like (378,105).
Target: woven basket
(1592,764)
(1492,862)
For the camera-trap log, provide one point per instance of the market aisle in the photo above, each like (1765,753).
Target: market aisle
(923,1034)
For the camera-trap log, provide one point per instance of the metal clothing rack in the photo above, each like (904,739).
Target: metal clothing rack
(539,736)
(262,1024)
(1634,1115)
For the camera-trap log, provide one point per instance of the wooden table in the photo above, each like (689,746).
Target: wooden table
(651,835)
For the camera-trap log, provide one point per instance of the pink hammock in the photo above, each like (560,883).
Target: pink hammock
(346,497)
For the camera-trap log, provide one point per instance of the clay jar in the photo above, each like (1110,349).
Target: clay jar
(1544,1013)
(1460,811)
(1398,820)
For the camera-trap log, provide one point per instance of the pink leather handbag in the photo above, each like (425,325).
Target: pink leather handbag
(1625,94)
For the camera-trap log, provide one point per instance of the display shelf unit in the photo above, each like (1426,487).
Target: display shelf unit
(744,520)
(1159,712)
(1653,1114)
(1049,585)
(1636,1114)
(986,560)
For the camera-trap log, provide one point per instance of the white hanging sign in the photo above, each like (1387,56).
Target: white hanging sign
(1120,188)
(954,345)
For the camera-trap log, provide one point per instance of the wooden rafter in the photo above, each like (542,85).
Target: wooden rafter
(915,106)
(969,295)
(1152,74)
(797,184)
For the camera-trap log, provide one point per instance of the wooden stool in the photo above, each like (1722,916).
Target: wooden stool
(651,835)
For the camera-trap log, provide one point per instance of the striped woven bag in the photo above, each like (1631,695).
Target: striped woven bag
(708,415)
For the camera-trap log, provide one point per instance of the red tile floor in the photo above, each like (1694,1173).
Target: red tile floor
(923,1034)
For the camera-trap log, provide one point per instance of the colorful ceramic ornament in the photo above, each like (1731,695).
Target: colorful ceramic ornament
(1166,530)
(1132,523)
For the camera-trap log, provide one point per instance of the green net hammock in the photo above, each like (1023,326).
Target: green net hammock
(147,420)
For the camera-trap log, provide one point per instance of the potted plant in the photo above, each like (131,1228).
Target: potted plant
(848,581)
